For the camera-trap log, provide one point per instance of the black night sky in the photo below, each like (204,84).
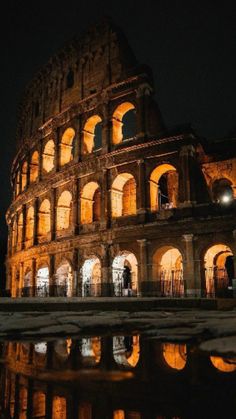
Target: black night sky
(190,46)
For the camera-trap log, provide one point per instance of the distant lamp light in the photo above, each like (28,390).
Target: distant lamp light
(226,198)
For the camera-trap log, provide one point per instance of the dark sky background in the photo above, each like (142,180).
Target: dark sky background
(190,46)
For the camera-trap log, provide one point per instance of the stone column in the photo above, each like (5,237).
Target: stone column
(24,226)
(106,279)
(21,279)
(34,279)
(141,190)
(40,161)
(35,232)
(77,139)
(30,399)
(142,112)
(75,272)
(105,201)
(191,277)
(106,130)
(75,200)
(56,136)
(51,275)
(143,273)
(53,213)
(234,257)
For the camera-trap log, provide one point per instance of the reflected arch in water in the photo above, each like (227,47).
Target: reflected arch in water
(126,350)
(39,404)
(59,408)
(122,262)
(91,350)
(62,348)
(175,355)
(168,271)
(223,364)
(91,277)
(40,348)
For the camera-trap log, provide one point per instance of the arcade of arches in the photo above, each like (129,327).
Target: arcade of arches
(168,276)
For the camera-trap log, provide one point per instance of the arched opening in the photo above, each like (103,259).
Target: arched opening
(39,404)
(223,364)
(70,79)
(62,348)
(175,355)
(59,408)
(48,156)
(91,277)
(123,123)
(64,210)
(66,146)
(64,280)
(42,282)
(23,398)
(126,350)
(18,183)
(219,270)
(34,167)
(222,191)
(168,271)
(14,234)
(20,226)
(24,170)
(90,203)
(90,350)
(44,221)
(125,274)
(92,134)
(123,195)
(163,187)
(29,231)
(27,283)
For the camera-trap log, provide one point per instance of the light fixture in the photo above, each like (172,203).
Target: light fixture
(226,199)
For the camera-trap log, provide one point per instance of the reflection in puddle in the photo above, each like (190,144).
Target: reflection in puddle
(223,364)
(175,355)
(116,377)
(91,350)
(126,350)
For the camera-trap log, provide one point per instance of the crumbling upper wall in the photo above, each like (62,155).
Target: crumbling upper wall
(85,67)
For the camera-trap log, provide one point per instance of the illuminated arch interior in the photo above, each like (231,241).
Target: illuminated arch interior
(42,281)
(24,175)
(34,167)
(123,123)
(222,190)
(28,279)
(29,231)
(126,350)
(14,233)
(20,231)
(64,277)
(48,156)
(44,222)
(175,355)
(92,134)
(90,203)
(91,350)
(39,404)
(119,263)
(18,183)
(216,267)
(168,269)
(123,195)
(91,276)
(223,364)
(163,187)
(59,408)
(64,210)
(66,146)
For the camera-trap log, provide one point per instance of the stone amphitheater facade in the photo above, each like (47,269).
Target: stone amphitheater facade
(104,193)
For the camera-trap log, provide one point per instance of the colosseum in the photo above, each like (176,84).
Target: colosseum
(107,201)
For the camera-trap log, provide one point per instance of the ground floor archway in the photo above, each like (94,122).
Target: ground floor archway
(125,274)
(168,271)
(91,277)
(42,282)
(64,280)
(219,270)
